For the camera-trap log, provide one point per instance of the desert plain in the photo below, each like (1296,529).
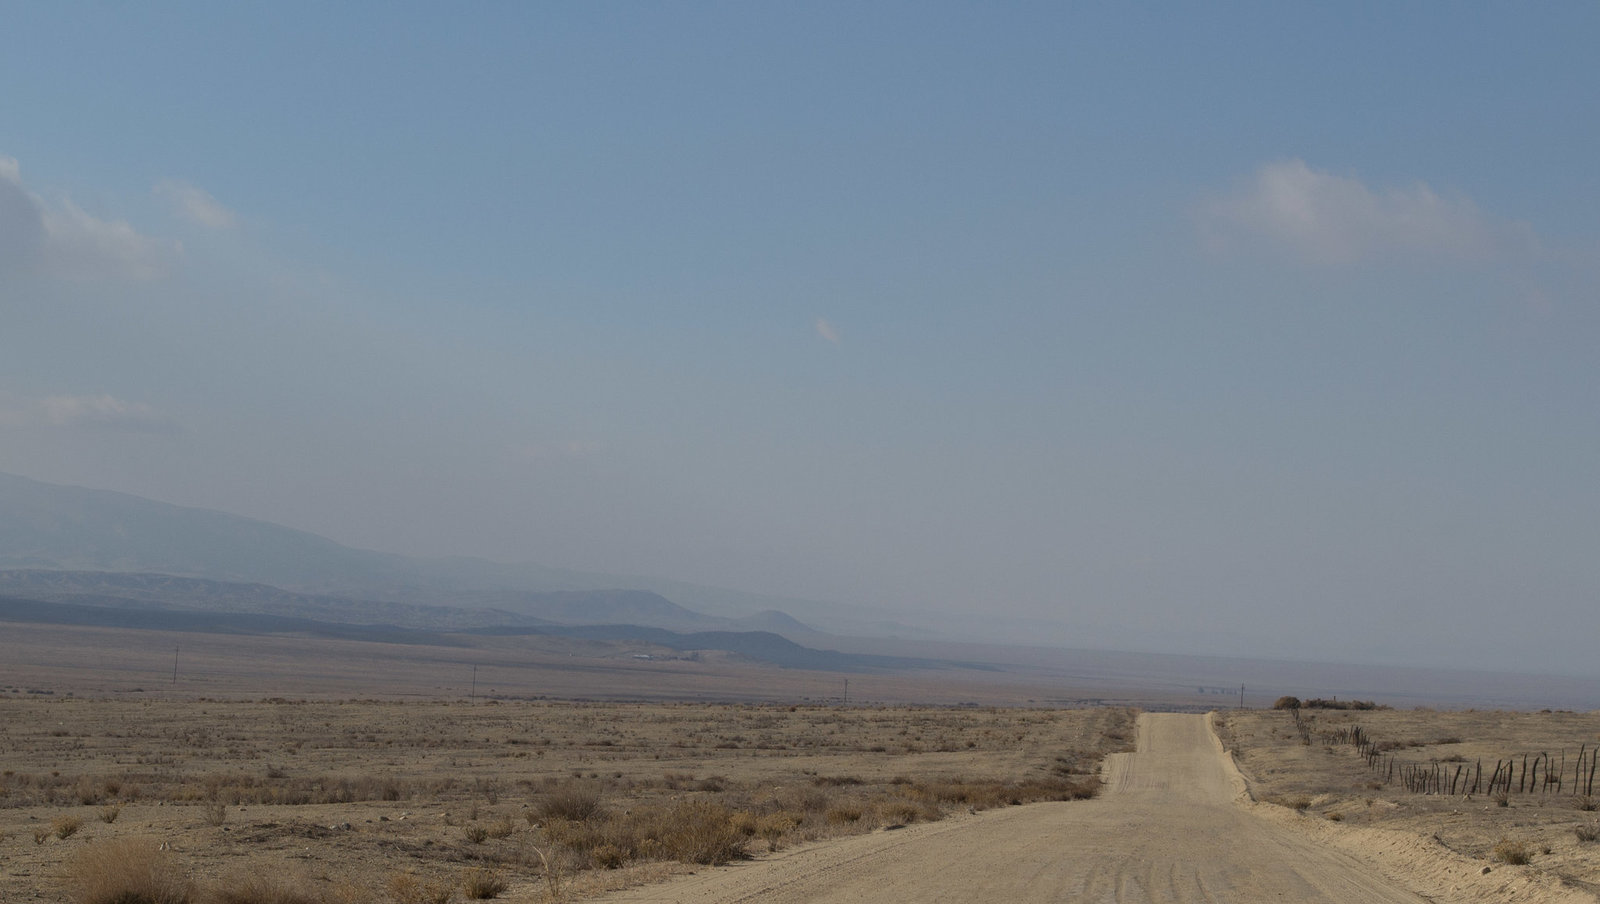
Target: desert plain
(281,770)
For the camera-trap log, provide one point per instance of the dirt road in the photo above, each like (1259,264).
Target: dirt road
(1167,829)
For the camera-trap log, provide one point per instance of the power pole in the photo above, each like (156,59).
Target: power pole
(847,692)
(175,666)
(1241,696)
(474,694)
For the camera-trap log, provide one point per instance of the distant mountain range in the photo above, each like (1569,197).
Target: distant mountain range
(62,528)
(76,556)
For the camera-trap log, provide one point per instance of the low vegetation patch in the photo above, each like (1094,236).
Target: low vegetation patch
(263,887)
(1515,853)
(482,884)
(127,871)
(409,888)
(428,803)
(1319,703)
(65,827)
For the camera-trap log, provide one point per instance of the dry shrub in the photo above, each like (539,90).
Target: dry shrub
(983,795)
(66,826)
(701,832)
(1512,852)
(127,871)
(1587,832)
(349,892)
(276,787)
(1073,789)
(258,887)
(692,831)
(504,827)
(770,827)
(805,802)
(215,812)
(475,833)
(481,884)
(409,888)
(905,812)
(573,802)
(88,791)
(979,796)
(109,814)
(844,814)
(608,856)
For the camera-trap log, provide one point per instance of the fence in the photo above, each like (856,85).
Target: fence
(1527,773)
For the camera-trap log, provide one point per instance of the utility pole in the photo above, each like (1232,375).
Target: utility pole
(1241,696)
(175,666)
(474,694)
(847,692)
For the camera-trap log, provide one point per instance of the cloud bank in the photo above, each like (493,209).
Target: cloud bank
(63,241)
(194,204)
(1329,219)
(83,412)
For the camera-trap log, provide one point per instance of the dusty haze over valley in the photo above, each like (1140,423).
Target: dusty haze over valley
(792,452)
(1245,333)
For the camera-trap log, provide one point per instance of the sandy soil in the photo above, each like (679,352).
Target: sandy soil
(1170,827)
(1176,824)
(1317,785)
(1177,821)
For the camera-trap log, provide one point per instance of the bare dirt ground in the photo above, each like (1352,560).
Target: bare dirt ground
(1317,784)
(110,662)
(1169,828)
(361,802)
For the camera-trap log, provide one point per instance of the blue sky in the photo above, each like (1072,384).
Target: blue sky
(1229,328)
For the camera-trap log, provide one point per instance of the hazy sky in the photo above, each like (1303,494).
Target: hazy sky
(1206,327)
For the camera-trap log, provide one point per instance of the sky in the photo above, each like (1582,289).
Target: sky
(1237,328)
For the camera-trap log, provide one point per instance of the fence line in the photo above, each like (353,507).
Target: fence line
(1534,773)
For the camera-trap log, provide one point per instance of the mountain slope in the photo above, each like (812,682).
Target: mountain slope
(84,531)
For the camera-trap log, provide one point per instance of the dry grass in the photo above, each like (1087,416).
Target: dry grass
(692,831)
(258,886)
(215,812)
(576,803)
(65,827)
(1550,821)
(127,871)
(397,798)
(1515,853)
(482,884)
(409,888)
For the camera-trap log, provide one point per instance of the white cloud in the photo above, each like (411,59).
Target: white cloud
(22,232)
(64,241)
(827,331)
(85,412)
(194,203)
(1330,219)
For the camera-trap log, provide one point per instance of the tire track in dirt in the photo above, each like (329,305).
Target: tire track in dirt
(1168,828)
